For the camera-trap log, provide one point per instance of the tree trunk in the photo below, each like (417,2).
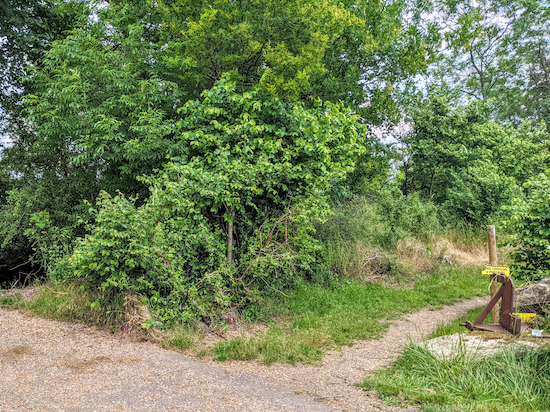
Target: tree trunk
(230,241)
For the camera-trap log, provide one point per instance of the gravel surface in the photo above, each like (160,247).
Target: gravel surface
(57,366)
(332,382)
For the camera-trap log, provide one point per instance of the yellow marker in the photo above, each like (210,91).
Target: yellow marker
(525,317)
(496,270)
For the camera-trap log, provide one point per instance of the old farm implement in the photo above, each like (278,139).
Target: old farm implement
(509,322)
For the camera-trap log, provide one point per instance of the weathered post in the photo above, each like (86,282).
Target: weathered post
(493,261)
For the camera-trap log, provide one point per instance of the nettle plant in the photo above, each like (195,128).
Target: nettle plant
(229,217)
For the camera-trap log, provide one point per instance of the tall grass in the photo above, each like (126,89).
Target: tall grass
(514,379)
(388,236)
(315,318)
(70,301)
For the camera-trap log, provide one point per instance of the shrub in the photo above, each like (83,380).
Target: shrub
(231,214)
(530,227)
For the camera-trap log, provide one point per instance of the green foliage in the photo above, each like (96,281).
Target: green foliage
(100,103)
(27,27)
(153,251)
(467,163)
(515,379)
(231,214)
(406,216)
(495,52)
(51,243)
(530,228)
(372,225)
(338,51)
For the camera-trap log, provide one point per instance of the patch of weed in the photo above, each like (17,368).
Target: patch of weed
(315,318)
(515,379)
(10,301)
(180,336)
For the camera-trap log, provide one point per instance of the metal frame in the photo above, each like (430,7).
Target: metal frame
(508,322)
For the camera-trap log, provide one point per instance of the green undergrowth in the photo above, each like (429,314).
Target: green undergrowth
(315,318)
(67,301)
(515,379)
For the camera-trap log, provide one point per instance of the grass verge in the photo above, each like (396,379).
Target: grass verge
(515,379)
(66,300)
(315,318)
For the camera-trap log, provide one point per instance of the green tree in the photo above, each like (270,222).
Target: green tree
(351,51)
(27,27)
(467,163)
(532,87)
(232,213)
(100,108)
(530,228)
(494,51)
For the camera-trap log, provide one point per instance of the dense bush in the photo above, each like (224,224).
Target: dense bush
(530,228)
(231,215)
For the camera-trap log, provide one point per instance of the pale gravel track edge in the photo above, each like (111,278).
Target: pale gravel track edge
(70,367)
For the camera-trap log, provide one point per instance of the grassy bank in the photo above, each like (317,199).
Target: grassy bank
(515,379)
(316,317)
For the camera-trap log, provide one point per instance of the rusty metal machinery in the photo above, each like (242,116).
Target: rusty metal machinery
(508,321)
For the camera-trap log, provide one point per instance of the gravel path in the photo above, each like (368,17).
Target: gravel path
(57,366)
(332,382)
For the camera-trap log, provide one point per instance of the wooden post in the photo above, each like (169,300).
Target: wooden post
(493,261)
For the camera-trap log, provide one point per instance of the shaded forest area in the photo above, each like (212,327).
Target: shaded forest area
(203,155)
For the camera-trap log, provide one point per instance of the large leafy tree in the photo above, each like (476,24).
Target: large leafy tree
(532,97)
(351,51)
(470,164)
(490,52)
(100,107)
(27,27)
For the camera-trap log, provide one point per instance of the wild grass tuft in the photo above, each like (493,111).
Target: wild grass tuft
(315,318)
(70,301)
(515,379)
(180,336)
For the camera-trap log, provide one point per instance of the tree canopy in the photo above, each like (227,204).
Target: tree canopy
(224,131)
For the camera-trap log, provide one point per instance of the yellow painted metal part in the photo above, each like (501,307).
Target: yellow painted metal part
(525,317)
(496,270)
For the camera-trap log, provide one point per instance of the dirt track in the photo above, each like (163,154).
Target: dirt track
(56,366)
